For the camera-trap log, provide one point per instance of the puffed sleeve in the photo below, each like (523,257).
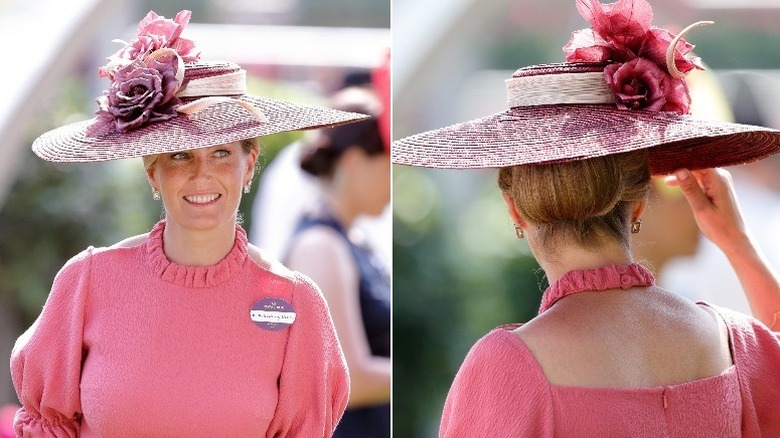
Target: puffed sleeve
(756,352)
(499,392)
(314,384)
(46,360)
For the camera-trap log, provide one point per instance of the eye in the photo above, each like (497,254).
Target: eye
(221,153)
(179,156)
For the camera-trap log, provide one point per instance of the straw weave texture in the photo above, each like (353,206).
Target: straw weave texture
(546,133)
(555,133)
(218,124)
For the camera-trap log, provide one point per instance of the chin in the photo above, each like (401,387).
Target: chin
(203,223)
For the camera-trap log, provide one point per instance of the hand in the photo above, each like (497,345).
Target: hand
(710,193)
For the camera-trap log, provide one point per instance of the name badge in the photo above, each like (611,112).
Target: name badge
(272,314)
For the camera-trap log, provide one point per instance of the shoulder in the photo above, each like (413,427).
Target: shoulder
(320,239)
(265,261)
(303,289)
(499,391)
(322,253)
(500,346)
(747,334)
(98,258)
(130,242)
(501,357)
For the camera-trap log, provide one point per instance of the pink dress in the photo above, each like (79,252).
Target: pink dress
(501,391)
(130,344)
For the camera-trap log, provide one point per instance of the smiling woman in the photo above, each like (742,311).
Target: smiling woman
(201,190)
(188,327)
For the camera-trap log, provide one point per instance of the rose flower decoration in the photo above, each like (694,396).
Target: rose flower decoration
(145,75)
(643,72)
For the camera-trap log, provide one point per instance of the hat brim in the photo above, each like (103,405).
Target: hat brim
(221,123)
(556,133)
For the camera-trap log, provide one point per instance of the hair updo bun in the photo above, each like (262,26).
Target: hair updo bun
(588,200)
(320,156)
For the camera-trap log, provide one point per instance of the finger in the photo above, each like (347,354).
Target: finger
(693,192)
(671,180)
(715,183)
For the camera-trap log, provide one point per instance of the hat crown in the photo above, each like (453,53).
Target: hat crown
(559,68)
(207,69)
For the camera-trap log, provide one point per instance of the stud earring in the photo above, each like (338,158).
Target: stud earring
(636,226)
(519,233)
(156,195)
(248,187)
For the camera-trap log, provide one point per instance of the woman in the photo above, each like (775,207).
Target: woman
(353,168)
(610,353)
(187,330)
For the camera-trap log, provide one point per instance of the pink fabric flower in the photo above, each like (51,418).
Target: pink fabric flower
(154,32)
(621,32)
(140,92)
(641,84)
(144,89)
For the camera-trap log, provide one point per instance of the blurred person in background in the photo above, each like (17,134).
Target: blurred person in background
(610,353)
(188,330)
(693,267)
(352,167)
(705,275)
(670,232)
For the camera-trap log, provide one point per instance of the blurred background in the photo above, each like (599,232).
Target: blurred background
(300,50)
(459,271)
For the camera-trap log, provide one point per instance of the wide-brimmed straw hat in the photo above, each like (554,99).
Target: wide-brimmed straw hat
(162,99)
(622,90)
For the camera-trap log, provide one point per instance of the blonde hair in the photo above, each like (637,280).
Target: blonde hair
(247,145)
(587,200)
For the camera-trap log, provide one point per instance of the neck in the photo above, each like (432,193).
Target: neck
(564,258)
(340,207)
(190,247)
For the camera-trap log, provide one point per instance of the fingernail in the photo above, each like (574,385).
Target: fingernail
(682,174)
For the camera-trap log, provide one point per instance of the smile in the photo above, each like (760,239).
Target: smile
(202,199)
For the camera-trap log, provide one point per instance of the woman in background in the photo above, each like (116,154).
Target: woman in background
(353,168)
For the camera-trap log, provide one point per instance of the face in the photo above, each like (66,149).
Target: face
(201,188)
(373,182)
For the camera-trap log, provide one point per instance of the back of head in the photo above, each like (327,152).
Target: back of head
(584,202)
(326,147)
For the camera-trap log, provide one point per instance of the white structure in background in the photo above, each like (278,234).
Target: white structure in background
(43,41)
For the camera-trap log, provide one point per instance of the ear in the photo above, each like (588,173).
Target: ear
(151,177)
(513,213)
(638,209)
(251,160)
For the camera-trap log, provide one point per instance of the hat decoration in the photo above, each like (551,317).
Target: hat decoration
(162,99)
(622,89)
(645,65)
(147,79)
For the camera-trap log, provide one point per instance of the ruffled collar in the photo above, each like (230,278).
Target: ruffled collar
(603,278)
(195,276)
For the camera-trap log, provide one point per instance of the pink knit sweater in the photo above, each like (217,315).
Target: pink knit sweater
(130,344)
(501,391)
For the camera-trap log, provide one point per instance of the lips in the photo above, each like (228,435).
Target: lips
(202,199)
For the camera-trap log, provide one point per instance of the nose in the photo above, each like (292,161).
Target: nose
(201,167)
